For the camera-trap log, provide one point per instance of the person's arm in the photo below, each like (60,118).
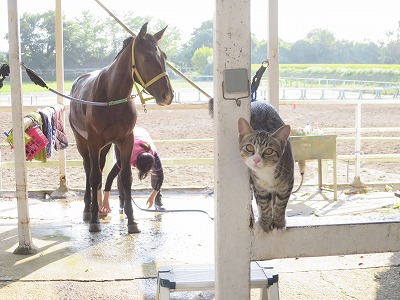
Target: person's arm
(157,173)
(105,207)
(157,178)
(152,197)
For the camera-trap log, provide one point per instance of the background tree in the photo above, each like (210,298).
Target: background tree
(321,43)
(202,60)
(202,36)
(38,39)
(90,42)
(258,50)
(3,58)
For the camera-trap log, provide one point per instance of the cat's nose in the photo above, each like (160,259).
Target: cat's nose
(256,160)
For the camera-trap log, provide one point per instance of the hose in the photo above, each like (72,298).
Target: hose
(302,168)
(173,210)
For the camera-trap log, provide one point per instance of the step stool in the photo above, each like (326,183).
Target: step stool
(202,277)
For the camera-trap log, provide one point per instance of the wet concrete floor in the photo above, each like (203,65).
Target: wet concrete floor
(72,263)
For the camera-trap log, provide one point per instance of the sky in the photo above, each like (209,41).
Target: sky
(355,20)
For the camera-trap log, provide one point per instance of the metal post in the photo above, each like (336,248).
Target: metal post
(357,151)
(62,190)
(232,232)
(273,54)
(24,231)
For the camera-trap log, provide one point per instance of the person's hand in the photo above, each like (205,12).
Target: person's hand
(105,207)
(151,199)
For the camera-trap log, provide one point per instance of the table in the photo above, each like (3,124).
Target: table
(316,147)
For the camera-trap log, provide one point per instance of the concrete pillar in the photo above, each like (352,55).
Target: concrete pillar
(24,231)
(232,232)
(273,54)
(62,190)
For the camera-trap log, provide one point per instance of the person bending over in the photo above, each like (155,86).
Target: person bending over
(146,160)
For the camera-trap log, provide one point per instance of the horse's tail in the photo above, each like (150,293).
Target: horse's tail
(211,107)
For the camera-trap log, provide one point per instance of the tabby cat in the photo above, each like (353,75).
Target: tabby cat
(266,151)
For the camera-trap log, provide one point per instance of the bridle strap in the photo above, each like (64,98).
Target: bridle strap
(142,83)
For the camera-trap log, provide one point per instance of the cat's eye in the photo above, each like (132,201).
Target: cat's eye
(249,148)
(268,152)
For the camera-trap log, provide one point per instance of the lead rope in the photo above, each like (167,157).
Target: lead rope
(36,79)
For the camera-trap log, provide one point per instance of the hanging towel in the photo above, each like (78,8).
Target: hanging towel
(60,140)
(48,128)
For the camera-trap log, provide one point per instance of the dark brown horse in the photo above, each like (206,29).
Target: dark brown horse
(97,127)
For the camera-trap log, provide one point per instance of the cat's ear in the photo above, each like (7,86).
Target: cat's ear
(244,128)
(282,133)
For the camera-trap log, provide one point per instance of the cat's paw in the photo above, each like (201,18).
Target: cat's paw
(278,231)
(257,229)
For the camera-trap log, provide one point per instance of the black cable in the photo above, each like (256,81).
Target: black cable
(4,71)
(173,210)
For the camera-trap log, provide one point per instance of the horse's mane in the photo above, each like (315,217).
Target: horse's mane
(124,45)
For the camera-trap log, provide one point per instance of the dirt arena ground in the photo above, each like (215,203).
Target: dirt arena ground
(194,122)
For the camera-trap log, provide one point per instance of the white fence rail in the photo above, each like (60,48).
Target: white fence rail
(356,157)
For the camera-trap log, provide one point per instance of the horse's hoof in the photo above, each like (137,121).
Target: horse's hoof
(133,228)
(87,216)
(94,227)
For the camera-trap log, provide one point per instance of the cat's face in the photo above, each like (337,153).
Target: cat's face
(261,149)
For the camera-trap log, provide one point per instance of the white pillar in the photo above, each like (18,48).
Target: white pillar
(232,233)
(273,54)
(24,232)
(62,190)
(357,183)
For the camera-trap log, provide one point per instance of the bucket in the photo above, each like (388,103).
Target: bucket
(37,142)
(10,138)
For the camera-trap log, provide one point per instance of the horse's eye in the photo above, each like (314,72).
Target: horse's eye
(249,148)
(268,152)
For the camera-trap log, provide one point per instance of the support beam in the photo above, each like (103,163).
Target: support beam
(273,54)
(326,236)
(62,190)
(24,230)
(232,233)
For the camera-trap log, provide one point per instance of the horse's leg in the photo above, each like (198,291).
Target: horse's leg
(95,183)
(119,184)
(87,197)
(81,145)
(121,194)
(126,182)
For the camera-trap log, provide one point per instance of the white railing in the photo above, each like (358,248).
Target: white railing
(356,157)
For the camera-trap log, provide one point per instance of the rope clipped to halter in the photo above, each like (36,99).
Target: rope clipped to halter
(4,71)
(257,79)
(144,85)
(36,79)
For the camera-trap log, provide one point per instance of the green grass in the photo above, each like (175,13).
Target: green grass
(367,72)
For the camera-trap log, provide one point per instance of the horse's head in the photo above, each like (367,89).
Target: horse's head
(150,62)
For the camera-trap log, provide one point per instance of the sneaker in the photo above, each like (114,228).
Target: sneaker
(158,203)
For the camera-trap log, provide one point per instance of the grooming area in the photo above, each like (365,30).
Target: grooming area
(68,262)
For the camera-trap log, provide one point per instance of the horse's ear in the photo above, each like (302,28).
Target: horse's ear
(158,36)
(143,30)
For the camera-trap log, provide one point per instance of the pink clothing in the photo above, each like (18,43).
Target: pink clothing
(141,136)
